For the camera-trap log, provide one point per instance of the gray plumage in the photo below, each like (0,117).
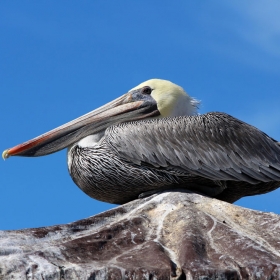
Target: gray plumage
(214,153)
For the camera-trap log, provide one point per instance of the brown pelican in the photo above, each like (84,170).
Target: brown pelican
(152,139)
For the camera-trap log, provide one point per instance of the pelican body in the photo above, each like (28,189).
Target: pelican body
(152,139)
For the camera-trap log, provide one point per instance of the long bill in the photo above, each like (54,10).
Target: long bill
(117,111)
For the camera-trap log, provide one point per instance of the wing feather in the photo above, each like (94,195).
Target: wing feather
(216,146)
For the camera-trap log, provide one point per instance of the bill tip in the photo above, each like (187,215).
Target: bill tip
(5,154)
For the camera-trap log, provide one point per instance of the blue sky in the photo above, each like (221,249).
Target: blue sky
(62,59)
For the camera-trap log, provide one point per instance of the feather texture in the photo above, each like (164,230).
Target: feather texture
(216,146)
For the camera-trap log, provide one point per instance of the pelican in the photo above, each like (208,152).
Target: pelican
(152,139)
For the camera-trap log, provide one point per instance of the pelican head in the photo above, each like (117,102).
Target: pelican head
(151,99)
(171,99)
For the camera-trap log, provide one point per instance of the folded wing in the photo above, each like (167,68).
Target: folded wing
(214,145)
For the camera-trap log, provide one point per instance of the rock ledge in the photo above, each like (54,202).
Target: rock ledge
(173,235)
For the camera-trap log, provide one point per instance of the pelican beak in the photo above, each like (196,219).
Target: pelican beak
(128,107)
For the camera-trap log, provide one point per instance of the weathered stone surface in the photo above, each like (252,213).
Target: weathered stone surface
(173,235)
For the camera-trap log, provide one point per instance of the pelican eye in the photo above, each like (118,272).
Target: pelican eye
(146,90)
